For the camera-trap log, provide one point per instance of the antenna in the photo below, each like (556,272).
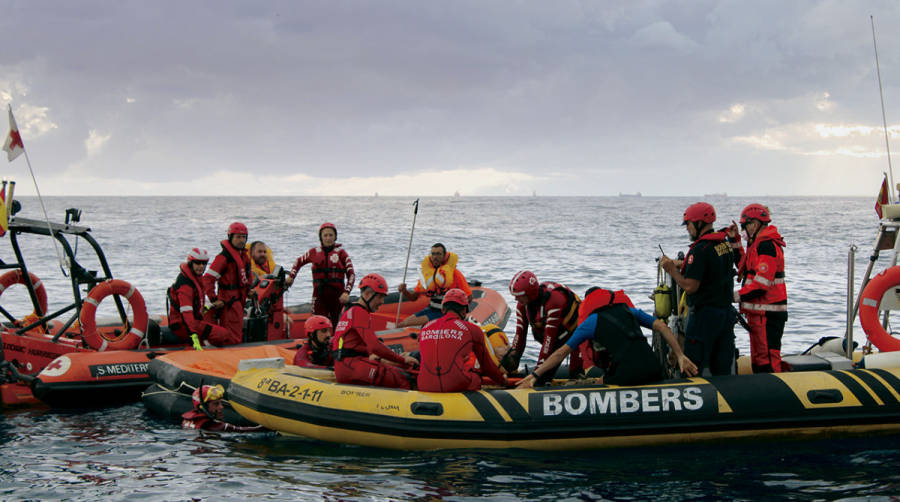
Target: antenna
(887,144)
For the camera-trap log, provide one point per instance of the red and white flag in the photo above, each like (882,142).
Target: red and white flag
(13,145)
(880,201)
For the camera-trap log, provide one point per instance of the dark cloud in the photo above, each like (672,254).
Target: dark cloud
(585,89)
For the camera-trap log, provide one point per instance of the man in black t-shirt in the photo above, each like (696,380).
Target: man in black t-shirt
(707,276)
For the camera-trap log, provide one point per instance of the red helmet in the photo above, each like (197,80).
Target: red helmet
(374,281)
(237,228)
(700,211)
(524,283)
(316,322)
(325,225)
(197,254)
(455,295)
(755,212)
(207,393)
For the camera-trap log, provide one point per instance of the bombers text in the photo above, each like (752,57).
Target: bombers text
(647,400)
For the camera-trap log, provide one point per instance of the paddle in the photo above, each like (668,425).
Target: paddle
(408,249)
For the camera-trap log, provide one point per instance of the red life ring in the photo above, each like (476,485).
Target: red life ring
(129,340)
(16,277)
(868,309)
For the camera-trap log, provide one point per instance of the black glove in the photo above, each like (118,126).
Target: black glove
(594,372)
(510,361)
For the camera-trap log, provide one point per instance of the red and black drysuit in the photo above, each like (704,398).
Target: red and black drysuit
(763,297)
(230,271)
(354,340)
(446,346)
(330,266)
(553,316)
(186,310)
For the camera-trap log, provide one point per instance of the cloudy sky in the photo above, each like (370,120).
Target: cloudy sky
(428,98)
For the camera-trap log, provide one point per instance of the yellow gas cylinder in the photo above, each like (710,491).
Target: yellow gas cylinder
(662,301)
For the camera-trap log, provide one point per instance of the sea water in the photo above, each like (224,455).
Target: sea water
(579,241)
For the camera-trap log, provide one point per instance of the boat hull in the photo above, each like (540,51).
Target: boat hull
(583,416)
(63,373)
(184,371)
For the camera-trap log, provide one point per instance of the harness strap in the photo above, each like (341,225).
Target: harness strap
(765,307)
(344,353)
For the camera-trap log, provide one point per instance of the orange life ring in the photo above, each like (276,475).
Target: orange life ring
(16,277)
(868,309)
(129,340)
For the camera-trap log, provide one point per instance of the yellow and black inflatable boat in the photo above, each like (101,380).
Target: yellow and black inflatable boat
(579,416)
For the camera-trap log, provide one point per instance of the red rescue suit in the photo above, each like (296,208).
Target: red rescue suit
(354,340)
(446,346)
(553,316)
(230,271)
(196,419)
(276,325)
(330,266)
(308,356)
(763,298)
(186,307)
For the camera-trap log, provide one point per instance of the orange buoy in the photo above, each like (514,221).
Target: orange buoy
(16,277)
(129,340)
(868,309)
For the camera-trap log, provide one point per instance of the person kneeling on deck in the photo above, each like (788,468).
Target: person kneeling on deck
(209,412)
(439,275)
(316,350)
(449,347)
(551,310)
(230,270)
(185,298)
(609,322)
(357,351)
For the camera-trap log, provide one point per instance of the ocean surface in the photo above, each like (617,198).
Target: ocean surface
(111,454)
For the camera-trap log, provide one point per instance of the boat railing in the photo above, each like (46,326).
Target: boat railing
(77,274)
(885,239)
(851,279)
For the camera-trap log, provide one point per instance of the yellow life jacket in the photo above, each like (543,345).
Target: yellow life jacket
(494,338)
(438,280)
(269,258)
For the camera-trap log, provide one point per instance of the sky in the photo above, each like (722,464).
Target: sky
(435,97)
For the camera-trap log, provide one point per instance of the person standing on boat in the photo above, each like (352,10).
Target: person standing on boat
(331,265)
(707,277)
(262,263)
(316,350)
(439,275)
(359,357)
(449,347)
(185,298)
(209,412)
(611,325)
(551,310)
(230,271)
(763,295)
